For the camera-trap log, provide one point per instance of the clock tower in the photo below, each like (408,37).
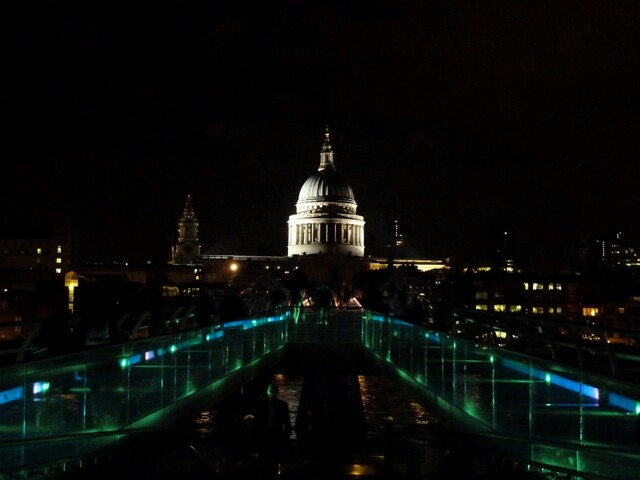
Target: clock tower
(187,250)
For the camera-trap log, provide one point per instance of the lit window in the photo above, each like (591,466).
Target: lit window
(558,286)
(515,308)
(550,286)
(58,260)
(39,251)
(621,310)
(538,310)
(59,248)
(538,286)
(500,308)
(526,286)
(551,309)
(58,270)
(481,295)
(481,307)
(590,311)
(558,309)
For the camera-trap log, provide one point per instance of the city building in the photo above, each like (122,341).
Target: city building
(326,239)
(187,250)
(31,255)
(326,221)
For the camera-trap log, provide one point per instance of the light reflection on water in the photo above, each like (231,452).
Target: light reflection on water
(290,389)
(382,400)
(238,413)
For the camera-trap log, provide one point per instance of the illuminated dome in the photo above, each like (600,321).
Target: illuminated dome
(326,189)
(328,185)
(326,220)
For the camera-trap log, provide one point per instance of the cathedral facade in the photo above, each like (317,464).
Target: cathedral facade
(326,221)
(325,235)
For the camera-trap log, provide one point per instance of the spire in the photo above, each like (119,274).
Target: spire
(326,155)
(189,212)
(187,250)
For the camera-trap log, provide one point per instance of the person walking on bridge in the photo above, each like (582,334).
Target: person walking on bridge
(273,426)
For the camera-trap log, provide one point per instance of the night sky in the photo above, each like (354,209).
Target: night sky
(449,116)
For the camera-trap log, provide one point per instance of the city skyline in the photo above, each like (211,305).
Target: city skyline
(448,118)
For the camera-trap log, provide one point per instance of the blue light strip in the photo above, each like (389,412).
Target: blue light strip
(624,403)
(433,336)
(219,333)
(248,324)
(212,336)
(11,395)
(553,379)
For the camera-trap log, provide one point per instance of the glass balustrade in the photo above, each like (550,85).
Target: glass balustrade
(553,414)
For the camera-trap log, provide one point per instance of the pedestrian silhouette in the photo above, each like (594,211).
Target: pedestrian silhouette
(273,426)
(295,302)
(323,301)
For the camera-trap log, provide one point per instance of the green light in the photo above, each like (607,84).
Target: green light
(637,406)
(45,386)
(124,363)
(547,378)
(173,349)
(491,359)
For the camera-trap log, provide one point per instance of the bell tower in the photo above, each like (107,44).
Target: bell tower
(187,250)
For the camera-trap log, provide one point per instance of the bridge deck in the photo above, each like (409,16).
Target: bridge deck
(68,411)
(353,444)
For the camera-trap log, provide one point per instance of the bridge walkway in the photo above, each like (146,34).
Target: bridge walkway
(160,406)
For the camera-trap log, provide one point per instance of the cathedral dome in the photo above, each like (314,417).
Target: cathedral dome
(326,220)
(325,190)
(326,185)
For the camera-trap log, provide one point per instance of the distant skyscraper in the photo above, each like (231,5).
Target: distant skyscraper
(503,255)
(325,220)
(397,234)
(610,250)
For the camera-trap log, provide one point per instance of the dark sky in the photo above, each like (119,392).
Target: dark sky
(449,116)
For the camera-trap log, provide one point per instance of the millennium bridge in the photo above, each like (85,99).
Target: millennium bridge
(546,399)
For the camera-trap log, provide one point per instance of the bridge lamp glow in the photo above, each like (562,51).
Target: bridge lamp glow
(40,387)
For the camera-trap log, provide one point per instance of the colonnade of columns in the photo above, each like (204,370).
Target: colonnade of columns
(326,233)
